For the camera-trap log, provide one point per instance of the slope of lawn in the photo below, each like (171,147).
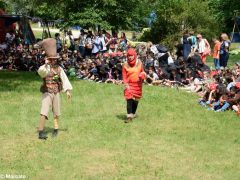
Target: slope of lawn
(172,138)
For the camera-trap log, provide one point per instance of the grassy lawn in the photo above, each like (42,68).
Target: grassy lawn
(232,60)
(38,34)
(173,137)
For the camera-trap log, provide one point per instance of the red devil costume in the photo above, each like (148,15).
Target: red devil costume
(133,77)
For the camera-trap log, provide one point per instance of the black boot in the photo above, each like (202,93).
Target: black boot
(42,135)
(55,133)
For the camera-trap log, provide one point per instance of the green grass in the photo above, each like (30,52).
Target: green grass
(173,137)
(38,34)
(232,60)
(235,46)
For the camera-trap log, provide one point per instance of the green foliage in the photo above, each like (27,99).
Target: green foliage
(209,17)
(89,17)
(116,14)
(23,7)
(175,17)
(225,11)
(48,11)
(125,13)
(2,5)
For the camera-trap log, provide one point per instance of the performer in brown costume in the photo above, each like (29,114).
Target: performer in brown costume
(54,81)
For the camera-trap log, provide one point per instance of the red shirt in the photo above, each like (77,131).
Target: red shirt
(131,76)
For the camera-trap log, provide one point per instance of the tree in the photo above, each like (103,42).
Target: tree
(117,14)
(2,5)
(225,11)
(174,17)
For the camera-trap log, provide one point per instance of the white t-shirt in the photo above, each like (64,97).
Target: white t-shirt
(201,46)
(82,39)
(154,76)
(170,59)
(88,40)
(10,37)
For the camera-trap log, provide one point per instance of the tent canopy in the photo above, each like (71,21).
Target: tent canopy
(9,20)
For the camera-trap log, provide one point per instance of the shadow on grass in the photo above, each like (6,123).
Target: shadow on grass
(19,75)
(50,130)
(17,81)
(20,81)
(121,117)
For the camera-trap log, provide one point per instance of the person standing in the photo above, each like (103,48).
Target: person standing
(133,76)
(107,38)
(89,44)
(224,50)
(97,44)
(71,41)
(193,40)
(103,42)
(113,42)
(216,50)
(186,45)
(54,81)
(203,48)
(82,40)
(58,42)
(123,42)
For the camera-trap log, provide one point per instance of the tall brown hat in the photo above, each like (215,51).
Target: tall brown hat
(50,47)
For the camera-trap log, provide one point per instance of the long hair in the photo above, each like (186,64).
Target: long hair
(123,35)
(224,37)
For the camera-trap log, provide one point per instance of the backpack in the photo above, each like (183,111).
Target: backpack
(161,48)
(193,40)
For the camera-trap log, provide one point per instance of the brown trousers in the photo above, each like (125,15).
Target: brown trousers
(50,100)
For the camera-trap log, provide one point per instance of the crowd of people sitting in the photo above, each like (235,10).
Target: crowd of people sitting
(99,57)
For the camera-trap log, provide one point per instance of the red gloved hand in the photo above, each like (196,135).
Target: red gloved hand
(142,76)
